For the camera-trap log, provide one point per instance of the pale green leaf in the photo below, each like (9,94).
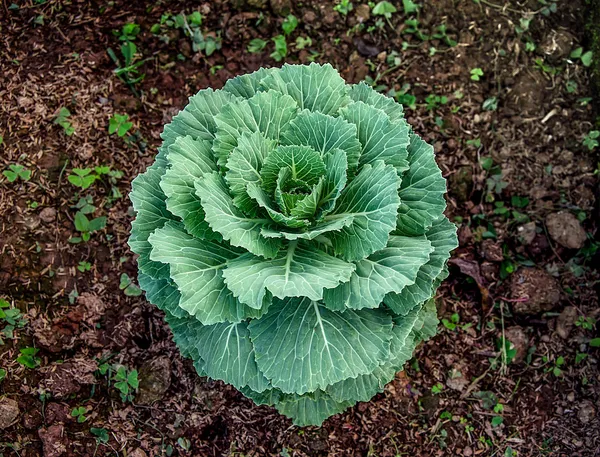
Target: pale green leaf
(310,409)
(323,133)
(372,199)
(314,87)
(229,355)
(148,202)
(266,112)
(305,165)
(189,160)
(379,137)
(224,217)
(299,270)
(162,293)
(336,168)
(196,267)
(422,190)
(310,233)
(263,199)
(362,92)
(389,270)
(442,236)
(246,86)
(302,346)
(246,160)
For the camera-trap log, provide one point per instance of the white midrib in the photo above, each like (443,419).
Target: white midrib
(288,260)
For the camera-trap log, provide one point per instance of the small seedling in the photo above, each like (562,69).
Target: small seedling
(12,318)
(129,32)
(591,139)
(343,7)
(385,9)
(127,71)
(84,266)
(101,434)
(441,34)
(256,45)
(79,413)
(452,323)
(28,357)
(280,48)
(490,104)
(126,382)
(586,58)
(86,226)
(128,286)
(119,124)
(437,389)
(62,119)
(302,42)
(410,6)
(476,74)
(289,24)
(2,374)
(82,177)
(16,171)
(434,101)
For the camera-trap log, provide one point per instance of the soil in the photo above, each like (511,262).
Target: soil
(520,306)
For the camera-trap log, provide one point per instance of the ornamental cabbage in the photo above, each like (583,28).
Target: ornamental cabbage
(291,229)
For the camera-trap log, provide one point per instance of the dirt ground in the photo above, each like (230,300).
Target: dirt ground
(499,88)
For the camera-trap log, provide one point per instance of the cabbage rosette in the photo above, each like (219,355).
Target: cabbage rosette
(291,229)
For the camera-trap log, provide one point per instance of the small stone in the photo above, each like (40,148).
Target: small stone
(520,342)
(468,451)
(138,453)
(492,251)
(309,17)
(566,230)
(534,291)
(362,12)
(586,412)
(48,215)
(571,397)
(155,379)
(9,412)
(526,233)
(565,322)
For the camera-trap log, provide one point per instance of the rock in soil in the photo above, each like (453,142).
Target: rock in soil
(54,440)
(155,379)
(586,412)
(9,411)
(534,290)
(566,230)
(526,233)
(48,214)
(565,322)
(67,378)
(517,336)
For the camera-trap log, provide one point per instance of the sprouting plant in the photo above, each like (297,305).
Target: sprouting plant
(585,58)
(85,177)
(257,45)
(437,388)
(343,7)
(101,434)
(16,171)
(289,24)
(12,318)
(591,139)
(62,119)
(586,323)
(405,98)
(441,33)
(412,28)
(128,287)
(312,203)
(410,7)
(302,42)
(129,32)
(452,323)
(28,357)
(490,104)
(435,101)
(126,382)
(84,266)
(86,226)
(476,74)
(79,413)
(385,9)
(280,48)
(128,69)
(119,124)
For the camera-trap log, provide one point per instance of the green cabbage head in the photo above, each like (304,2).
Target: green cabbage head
(291,229)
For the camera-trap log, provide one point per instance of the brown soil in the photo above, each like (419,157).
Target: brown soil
(528,112)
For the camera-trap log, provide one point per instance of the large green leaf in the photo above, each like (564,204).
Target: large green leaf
(388,270)
(362,92)
(196,267)
(189,160)
(185,334)
(148,201)
(380,138)
(422,190)
(314,87)
(310,409)
(224,217)
(442,236)
(229,355)
(197,119)
(300,270)
(266,112)
(162,293)
(372,200)
(246,86)
(323,133)
(304,163)
(302,346)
